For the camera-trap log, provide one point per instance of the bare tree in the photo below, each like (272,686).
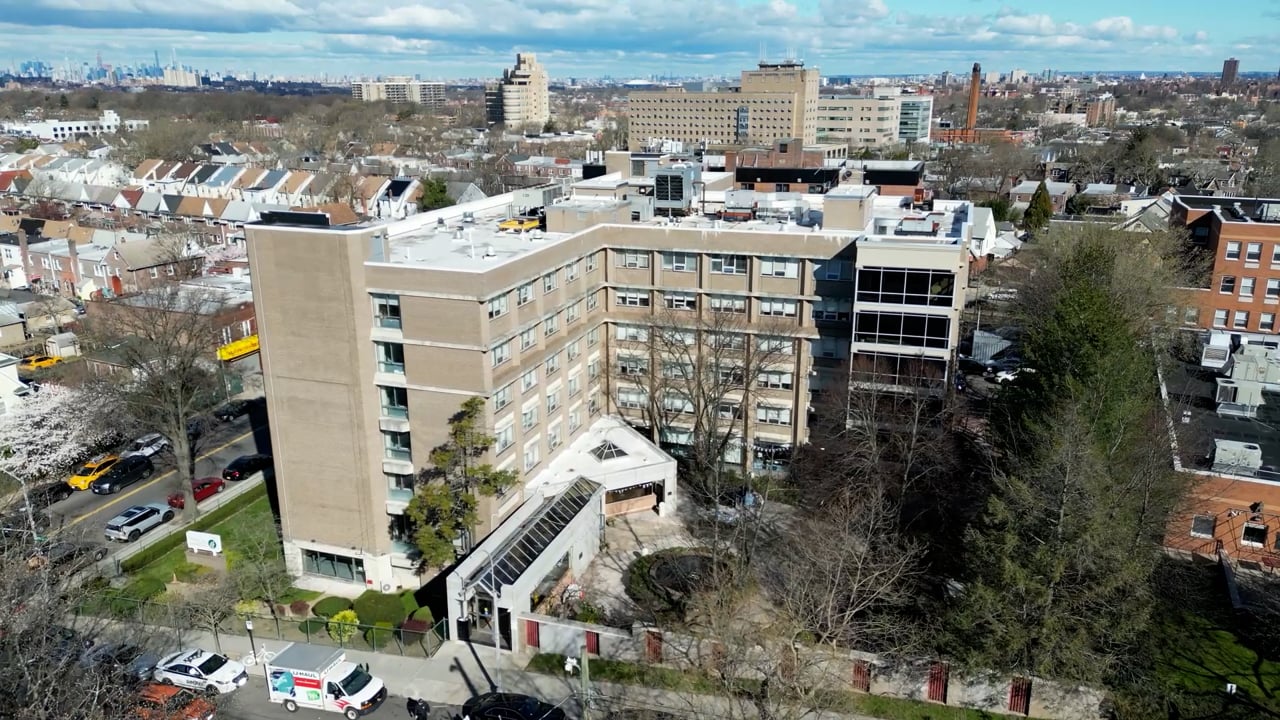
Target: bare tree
(258,570)
(165,341)
(209,605)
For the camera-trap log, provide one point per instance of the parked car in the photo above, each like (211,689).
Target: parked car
(245,466)
(509,706)
(38,362)
(1003,295)
(148,445)
(128,662)
(42,496)
(165,702)
(95,468)
(198,427)
(204,488)
(1008,376)
(123,474)
(66,555)
(233,409)
(201,670)
(138,519)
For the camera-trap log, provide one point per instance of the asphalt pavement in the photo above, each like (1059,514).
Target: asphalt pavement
(85,514)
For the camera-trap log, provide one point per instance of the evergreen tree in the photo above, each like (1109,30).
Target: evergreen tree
(1039,211)
(435,195)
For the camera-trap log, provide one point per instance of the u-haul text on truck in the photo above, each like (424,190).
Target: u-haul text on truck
(307,676)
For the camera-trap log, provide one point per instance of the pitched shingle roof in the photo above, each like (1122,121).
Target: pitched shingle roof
(191,207)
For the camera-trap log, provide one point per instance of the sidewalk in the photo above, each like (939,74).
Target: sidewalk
(458,672)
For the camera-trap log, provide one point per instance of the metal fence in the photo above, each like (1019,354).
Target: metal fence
(411,641)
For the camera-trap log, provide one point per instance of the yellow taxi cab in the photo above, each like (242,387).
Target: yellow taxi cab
(38,362)
(92,470)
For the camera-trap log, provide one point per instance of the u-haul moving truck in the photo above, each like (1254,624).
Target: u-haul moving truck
(307,676)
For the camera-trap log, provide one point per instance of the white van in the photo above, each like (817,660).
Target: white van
(308,676)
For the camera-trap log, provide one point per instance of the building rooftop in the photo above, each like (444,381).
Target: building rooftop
(465,238)
(1235,209)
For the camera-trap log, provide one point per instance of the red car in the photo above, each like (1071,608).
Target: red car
(204,488)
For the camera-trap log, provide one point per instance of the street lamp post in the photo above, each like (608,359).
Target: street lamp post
(253,650)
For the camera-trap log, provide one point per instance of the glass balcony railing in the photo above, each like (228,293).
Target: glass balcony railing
(396,494)
(391,368)
(395,411)
(388,321)
(403,454)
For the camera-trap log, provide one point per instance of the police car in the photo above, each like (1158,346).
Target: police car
(201,670)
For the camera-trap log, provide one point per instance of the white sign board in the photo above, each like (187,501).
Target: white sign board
(204,542)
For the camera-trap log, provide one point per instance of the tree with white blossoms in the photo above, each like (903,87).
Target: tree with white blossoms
(45,434)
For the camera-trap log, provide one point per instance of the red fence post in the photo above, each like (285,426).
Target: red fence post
(862,675)
(937,691)
(1020,696)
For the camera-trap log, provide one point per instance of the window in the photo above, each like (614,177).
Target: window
(498,307)
(679,262)
(168,269)
(524,294)
(1246,285)
(502,397)
(551,325)
(390,357)
(553,363)
(553,437)
(528,338)
(729,264)
(395,446)
(895,369)
(632,365)
(1191,316)
(1227,284)
(778,308)
(1267,322)
(832,309)
(888,328)
(573,349)
(386,311)
(1202,526)
(773,415)
(593,368)
(553,400)
(731,375)
(631,333)
(677,370)
(529,416)
(500,353)
(633,298)
(1233,250)
(677,402)
(338,567)
(246,328)
(1253,252)
(1254,535)
(575,420)
(395,402)
(548,283)
(680,301)
(775,379)
(530,456)
(593,337)
(155,272)
(906,287)
(633,259)
(528,380)
(593,301)
(571,272)
(504,437)
(728,410)
(572,313)
(728,304)
(400,481)
(833,270)
(1240,319)
(779,267)
(774,345)
(592,262)
(226,335)
(1219,318)
(728,341)
(574,384)
(633,398)
(1273,286)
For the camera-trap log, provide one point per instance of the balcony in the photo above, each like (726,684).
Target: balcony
(397,454)
(390,368)
(398,412)
(389,322)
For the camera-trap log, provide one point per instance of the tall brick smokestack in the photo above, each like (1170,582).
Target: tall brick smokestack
(975,87)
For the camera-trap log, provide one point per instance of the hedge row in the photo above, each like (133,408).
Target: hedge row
(178,537)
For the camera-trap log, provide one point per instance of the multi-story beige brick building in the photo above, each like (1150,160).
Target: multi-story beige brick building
(373,335)
(862,121)
(522,97)
(775,101)
(399,90)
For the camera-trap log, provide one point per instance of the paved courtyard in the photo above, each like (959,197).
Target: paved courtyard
(628,537)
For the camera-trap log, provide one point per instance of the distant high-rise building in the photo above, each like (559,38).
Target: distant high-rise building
(776,101)
(399,90)
(1100,110)
(1230,68)
(522,97)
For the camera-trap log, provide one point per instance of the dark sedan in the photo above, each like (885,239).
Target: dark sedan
(123,474)
(233,409)
(245,466)
(66,555)
(510,706)
(42,496)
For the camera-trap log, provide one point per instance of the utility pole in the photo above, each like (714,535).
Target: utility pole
(586,683)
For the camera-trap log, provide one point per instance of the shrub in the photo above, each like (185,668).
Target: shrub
(245,608)
(412,631)
(409,600)
(588,613)
(300,607)
(376,608)
(423,614)
(380,635)
(342,625)
(330,606)
(312,627)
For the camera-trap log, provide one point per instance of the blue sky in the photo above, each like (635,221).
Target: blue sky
(625,38)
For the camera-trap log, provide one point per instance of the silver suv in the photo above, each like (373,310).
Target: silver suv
(132,523)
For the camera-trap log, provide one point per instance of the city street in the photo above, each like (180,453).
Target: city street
(250,703)
(85,514)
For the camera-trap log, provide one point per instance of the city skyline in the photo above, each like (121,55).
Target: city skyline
(589,38)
